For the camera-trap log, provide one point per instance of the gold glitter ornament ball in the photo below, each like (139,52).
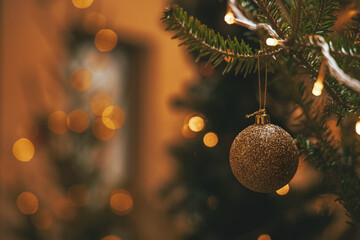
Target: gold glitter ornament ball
(264,157)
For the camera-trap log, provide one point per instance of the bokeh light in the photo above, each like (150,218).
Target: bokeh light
(210,139)
(196,123)
(111,237)
(27,128)
(78,121)
(113,117)
(82,3)
(78,195)
(63,209)
(284,190)
(57,122)
(229,18)
(93,22)
(100,131)
(99,102)
(81,79)
(357,127)
(42,219)
(105,40)
(98,61)
(23,150)
(27,203)
(121,202)
(264,237)
(186,131)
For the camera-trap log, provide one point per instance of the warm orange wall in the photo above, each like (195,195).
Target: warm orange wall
(32,49)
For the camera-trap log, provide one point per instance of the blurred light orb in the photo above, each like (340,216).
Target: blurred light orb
(81,79)
(284,190)
(196,123)
(121,202)
(210,139)
(93,22)
(100,131)
(27,203)
(357,127)
(111,237)
(98,61)
(99,102)
(272,42)
(23,150)
(42,219)
(113,117)
(105,40)
(229,18)
(186,131)
(78,195)
(63,209)
(78,121)
(82,3)
(27,128)
(264,237)
(57,122)
(317,89)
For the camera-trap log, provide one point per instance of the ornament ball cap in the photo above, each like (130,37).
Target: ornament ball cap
(262,118)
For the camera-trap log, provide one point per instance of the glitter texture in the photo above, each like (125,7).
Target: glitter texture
(264,158)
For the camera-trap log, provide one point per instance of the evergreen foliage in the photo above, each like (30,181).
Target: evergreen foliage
(295,66)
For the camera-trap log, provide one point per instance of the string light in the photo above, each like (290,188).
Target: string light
(105,40)
(82,3)
(27,203)
(100,131)
(229,18)
(81,79)
(284,190)
(78,121)
(99,102)
(23,150)
(57,122)
(113,117)
(318,85)
(210,139)
(357,127)
(272,42)
(264,237)
(196,123)
(121,202)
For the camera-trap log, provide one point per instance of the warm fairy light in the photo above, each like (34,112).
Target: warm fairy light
(98,61)
(93,22)
(186,131)
(113,117)
(357,127)
(228,58)
(27,203)
(78,195)
(99,102)
(105,40)
(100,131)
(121,202)
(42,219)
(111,237)
(284,190)
(196,123)
(63,209)
(317,89)
(57,122)
(27,128)
(272,42)
(81,79)
(78,121)
(210,139)
(82,3)
(229,18)
(23,150)
(264,237)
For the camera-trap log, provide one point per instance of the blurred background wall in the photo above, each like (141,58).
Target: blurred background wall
(34,59)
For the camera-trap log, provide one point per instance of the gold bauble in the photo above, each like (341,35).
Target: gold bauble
(264,157)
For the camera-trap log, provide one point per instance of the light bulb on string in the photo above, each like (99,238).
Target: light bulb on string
(229,18)
(319,84)
(272,42)
(357,127)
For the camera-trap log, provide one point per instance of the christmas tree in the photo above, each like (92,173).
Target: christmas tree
(311,50)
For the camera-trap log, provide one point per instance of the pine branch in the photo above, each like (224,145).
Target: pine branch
(297,18)
(198,37)
(272,15)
